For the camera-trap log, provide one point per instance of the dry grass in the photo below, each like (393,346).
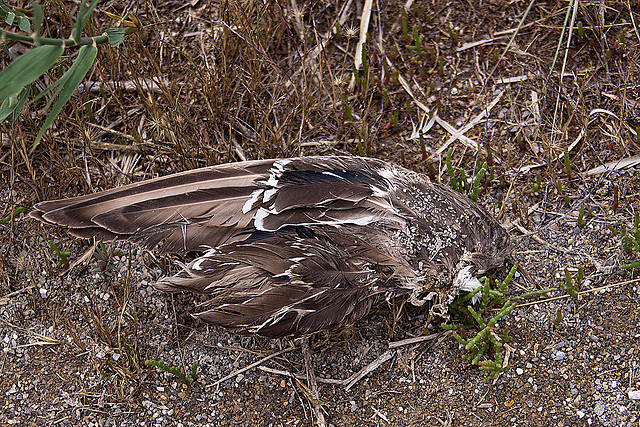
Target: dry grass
(210,82)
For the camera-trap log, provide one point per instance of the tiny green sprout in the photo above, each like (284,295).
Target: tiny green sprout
(464,182)
(360,148)
(17,211)
(417,41)
(394,118)
(495,56)
(622,39)
(453,35)
(475,189)
(558,319)
(186,379)
(104,256)
(348,113)
(431,57)
(567,201)
(365,61)
(63,255)
(336,31)
(630,244)
(581,221)
(570,286)
(385,98)
(567,164)
(535,187)
(580,30)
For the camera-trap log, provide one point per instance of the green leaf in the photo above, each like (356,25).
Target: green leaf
(22,99)
(116,36)
(8,106)
(37,18)
(26,68)
(72,79)
(24,24)
(83,15)
(9,19)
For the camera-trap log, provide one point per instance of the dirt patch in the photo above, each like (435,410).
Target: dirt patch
(256,80)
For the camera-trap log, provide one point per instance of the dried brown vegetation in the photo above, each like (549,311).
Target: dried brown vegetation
(208,82)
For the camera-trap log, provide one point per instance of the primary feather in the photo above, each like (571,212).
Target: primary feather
(294,246)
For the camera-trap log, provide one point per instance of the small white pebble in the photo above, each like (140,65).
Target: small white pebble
(634,394)
(519,371)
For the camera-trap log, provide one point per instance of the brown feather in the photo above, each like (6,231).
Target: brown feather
(294,246)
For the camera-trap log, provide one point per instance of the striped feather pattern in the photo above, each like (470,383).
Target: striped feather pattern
(294,246)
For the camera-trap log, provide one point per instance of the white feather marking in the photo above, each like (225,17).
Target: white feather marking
(252,200)
(378,192)
(268,194)
(341,178)
(275,173)
(272,181)
(388,174)
(258,219)
(465,281)
(196,265)
(275,317)
(280,164)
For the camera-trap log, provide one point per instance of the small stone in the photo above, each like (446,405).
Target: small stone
(599,409)
(559,355)
(580,414)
(519,371)
(634,394)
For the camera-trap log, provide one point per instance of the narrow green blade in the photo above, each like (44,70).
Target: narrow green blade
(72,78)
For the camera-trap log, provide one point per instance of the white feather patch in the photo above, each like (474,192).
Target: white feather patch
(268,194)
(258,219)
(252,200)
(465,281)
(387,174)
(196,265)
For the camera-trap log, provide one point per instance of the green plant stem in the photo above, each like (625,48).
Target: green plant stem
(58,42)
